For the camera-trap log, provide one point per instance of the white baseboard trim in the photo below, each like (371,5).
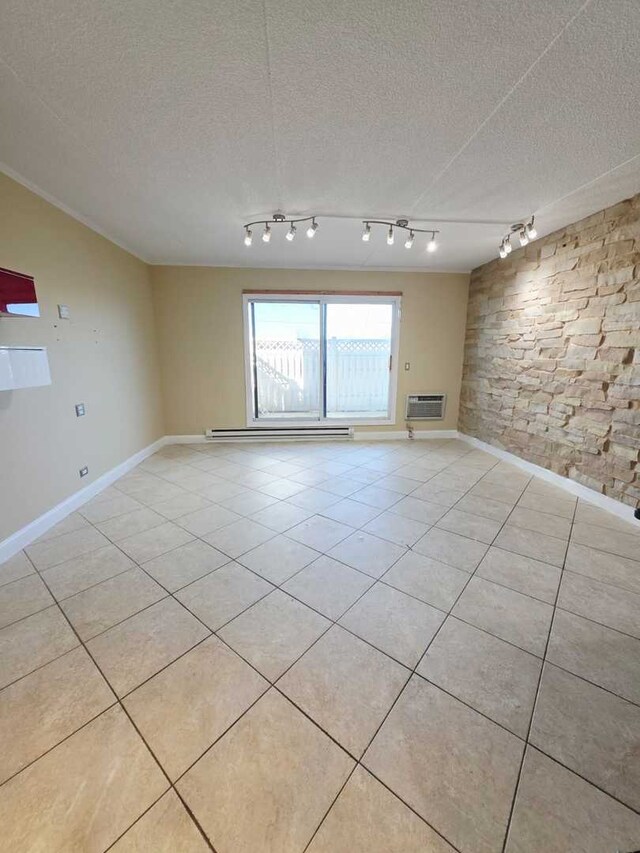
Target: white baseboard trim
(623,511)
(30,532)
(396,435)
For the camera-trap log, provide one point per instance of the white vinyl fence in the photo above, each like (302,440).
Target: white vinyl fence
(289,376)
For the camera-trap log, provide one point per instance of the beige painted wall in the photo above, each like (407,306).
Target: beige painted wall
(104,356)
(199,312)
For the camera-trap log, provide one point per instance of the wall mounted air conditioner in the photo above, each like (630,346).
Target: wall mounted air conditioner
(425,407)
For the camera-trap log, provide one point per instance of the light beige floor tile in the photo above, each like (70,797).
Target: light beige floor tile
(452,765)
(249,502)
(320,533)
(452,549)
(151,543)
(393,622)
(427,579)
(601,602)
(44,555)
(135,650)
(376,497)
(273,633)
(239,537)
(529,543)
(328,586)
(32,642)
(154,493)
(599,654)
(601,566)
(418,510)
(507,614)
(185,564)
(367,553)
(200,481)
(368,818)
(470,525)
(182,710)
(165,828)
(396,483)
(340,486)
(222,491)
(603,539)
(346,686)
(490,675)
(131,523)
(589,514)
(279,558)
(351,512)
(558,506)
(541,522)
(312,499)
(524,574)
(94,610)
(223,594)
(282,488)
(590,731)
(281,516)
(119,780)
(204,521)
(71,523)
(21,598)
(397,528)
(42,709)
(558,812)
(501,492)
(485,507)
(16,567)
(266,785)
(82,572)
(97,511)
(181,505)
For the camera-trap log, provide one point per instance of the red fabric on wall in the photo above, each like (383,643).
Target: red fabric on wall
(15,288)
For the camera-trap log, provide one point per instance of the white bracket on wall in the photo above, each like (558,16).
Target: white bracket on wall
(23,367)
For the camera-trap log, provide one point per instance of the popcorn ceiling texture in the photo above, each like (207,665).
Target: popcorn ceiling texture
(552,353)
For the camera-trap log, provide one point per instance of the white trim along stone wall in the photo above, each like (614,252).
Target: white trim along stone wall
(552,354)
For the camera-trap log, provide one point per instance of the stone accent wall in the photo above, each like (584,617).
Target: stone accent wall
(552,354)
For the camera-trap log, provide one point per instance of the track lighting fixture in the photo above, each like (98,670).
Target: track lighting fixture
(525,232)
(403,224)
(312,229)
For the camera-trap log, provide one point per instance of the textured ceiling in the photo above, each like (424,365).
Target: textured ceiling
(166,124)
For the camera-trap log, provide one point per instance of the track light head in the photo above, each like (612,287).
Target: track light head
(390,237)
(502,251)
(432,245)
(266,234)
(530,229)
(523,237)
(248,237)
(311,230)
(291,233)
(507,245)
(366,234)
(408,243)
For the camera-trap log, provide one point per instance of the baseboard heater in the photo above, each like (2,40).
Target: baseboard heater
(278,433)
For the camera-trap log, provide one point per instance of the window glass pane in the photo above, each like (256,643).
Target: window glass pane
(286,338)
(358,359)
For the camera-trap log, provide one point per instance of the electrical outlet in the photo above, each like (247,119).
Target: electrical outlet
(79,410)
(63,312)
(83,471)
(407,365)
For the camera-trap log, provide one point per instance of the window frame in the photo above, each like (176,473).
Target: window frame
(321,298)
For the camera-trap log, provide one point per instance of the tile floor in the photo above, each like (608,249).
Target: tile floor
(337,647)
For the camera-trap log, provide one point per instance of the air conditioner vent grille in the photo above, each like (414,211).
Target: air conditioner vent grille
(425,407)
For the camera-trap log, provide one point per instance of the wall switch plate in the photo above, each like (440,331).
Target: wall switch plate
(407,365)
(83,471)
(79,410)
(63,312)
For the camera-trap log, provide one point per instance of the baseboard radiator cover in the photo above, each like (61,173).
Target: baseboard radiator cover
(296,433)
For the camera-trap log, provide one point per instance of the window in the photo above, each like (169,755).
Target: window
(313,358)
